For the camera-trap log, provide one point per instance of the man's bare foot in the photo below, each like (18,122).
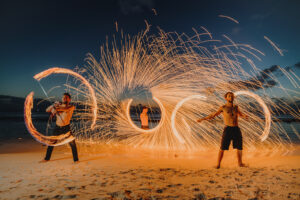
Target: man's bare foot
(43,161)
(217,167)
(76,162)
(243,165)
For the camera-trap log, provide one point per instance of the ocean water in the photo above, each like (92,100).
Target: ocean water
(12,126)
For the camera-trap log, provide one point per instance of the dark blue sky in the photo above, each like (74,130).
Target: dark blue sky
(36,35)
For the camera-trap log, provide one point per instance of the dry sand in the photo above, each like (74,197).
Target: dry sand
(123,173)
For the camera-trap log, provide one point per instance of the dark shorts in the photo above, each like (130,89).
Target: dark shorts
(145,127)
(59,130)
(61,133)
(232,133)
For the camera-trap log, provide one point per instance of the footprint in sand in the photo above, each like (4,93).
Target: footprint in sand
(200,196)
(160,190)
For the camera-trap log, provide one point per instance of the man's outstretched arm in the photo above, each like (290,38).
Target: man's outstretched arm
(211,116)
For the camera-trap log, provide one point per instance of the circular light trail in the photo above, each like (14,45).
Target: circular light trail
(150,130)
(265,108)
(173,116)
(47,140)
(57,70)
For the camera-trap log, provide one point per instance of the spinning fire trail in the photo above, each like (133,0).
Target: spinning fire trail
(186,76)
(61,139)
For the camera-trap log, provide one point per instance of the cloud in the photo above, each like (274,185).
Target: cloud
(296,66)
(263,79)
(135,6)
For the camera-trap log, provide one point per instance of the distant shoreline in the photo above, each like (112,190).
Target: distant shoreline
(42,116)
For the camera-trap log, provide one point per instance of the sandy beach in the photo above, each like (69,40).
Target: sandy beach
(111,172)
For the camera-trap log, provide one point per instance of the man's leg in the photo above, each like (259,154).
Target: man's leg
(49,152)
(220,157)
(239,156)
(225,142)
(74,150)
(238,144)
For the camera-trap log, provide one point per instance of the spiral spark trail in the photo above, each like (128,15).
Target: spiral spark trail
(187,77)
(174,68)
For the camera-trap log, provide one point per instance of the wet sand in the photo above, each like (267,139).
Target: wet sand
(112,172)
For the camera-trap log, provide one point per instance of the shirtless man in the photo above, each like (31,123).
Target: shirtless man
(231,130)
(64,114)
(144,118)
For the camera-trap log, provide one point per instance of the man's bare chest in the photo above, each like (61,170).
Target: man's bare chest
(230,111)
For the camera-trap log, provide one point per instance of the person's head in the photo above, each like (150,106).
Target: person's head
(66,98)
(229,96)
(145,109)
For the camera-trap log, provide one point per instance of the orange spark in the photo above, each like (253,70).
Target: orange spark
(230,18)
(274,45)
